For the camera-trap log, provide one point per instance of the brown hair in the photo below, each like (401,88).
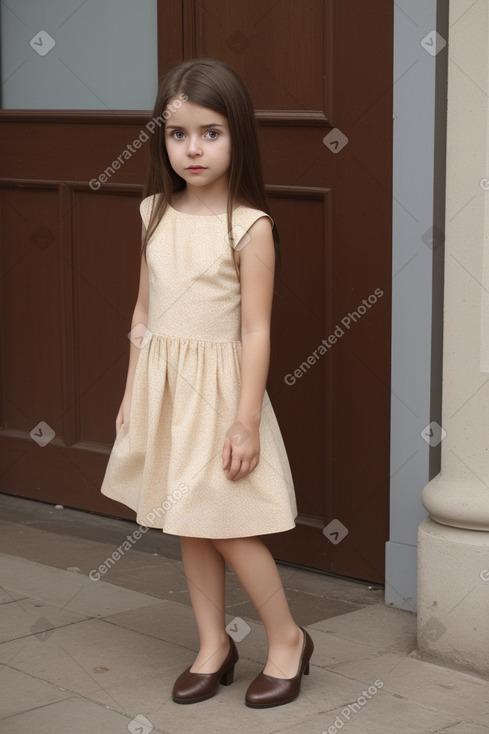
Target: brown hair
(215,85)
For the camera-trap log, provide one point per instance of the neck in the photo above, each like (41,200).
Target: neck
(205,199)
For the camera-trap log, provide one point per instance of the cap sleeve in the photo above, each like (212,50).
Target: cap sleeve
(145,208)
(243,219)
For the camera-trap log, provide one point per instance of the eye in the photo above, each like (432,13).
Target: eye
(177,135)
(212,134)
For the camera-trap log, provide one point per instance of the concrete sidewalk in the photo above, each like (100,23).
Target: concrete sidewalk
(99,653)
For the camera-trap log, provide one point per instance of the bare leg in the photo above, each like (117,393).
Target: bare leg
(205,572)
(257,572)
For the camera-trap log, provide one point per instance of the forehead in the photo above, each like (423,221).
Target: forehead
(189,114)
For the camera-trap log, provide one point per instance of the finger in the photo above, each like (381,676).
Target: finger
(244,470)
(235,467)
(226,454)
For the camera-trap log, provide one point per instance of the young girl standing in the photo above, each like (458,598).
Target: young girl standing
(198,451)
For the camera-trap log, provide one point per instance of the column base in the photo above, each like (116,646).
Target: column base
(458,502)
(453,596)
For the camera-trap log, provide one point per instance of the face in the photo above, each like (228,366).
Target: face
(198,144)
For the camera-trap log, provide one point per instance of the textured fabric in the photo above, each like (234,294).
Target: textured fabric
(166,464)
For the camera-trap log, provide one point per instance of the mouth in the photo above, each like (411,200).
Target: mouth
(195,168)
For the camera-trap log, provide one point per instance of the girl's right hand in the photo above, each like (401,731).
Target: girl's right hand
(123,414)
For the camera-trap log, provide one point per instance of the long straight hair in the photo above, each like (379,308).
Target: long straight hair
(215,85)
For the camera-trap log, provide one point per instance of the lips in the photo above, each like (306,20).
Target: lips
(196,168)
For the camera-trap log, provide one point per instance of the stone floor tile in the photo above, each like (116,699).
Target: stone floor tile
(66,551)
(379,626)
(328,691)
(465,729)
(66,589)
(407,676)
(165,620)
(33,617)
(330,651)
(330,587)
(160,578)
(305,608)
(73,715)
(7,596)
(23,514)
(383,713)
(92,656)
(464,696)
(22,692)
(51,549)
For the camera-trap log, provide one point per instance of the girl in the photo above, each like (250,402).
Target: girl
(198,451)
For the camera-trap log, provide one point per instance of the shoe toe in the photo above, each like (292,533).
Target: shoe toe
(267,691)
(188,687)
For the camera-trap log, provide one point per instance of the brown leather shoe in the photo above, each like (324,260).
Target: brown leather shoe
(194,687)
(267,691)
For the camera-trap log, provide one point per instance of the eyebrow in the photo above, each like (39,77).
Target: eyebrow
(180,127)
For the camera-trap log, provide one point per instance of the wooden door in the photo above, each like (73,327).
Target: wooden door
(320,75)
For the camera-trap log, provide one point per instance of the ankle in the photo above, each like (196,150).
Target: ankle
(291,637)
(216,642)
(211,656)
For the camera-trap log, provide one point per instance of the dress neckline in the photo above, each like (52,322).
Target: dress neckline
(207,216)
(188,214)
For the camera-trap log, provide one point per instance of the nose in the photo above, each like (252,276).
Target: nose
(194,147)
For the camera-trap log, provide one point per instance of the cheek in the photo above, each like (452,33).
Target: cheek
(171,150)
(225,152)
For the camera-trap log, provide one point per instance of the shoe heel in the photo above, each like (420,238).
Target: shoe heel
(228,677)
(306,669)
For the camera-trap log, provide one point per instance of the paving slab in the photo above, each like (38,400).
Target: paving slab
(378,626)
(305,608)
(462,695)
(26,617)
(403,675)
(382,714)
(69,523)
(92,656)
(21,691)
(330,587)
(330,650)
(153,576)
(66,589)
(73,715)
(466,729)
(7,596)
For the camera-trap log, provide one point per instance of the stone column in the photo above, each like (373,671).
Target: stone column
(453,543)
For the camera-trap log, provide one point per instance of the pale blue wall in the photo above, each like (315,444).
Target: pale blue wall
(417,270)
(104,57)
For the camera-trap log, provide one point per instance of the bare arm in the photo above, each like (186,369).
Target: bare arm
(140,316)
(256,264)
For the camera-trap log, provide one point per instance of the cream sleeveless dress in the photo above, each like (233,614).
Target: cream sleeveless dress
(166,464)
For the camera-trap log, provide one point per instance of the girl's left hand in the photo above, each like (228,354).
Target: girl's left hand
(241,452)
